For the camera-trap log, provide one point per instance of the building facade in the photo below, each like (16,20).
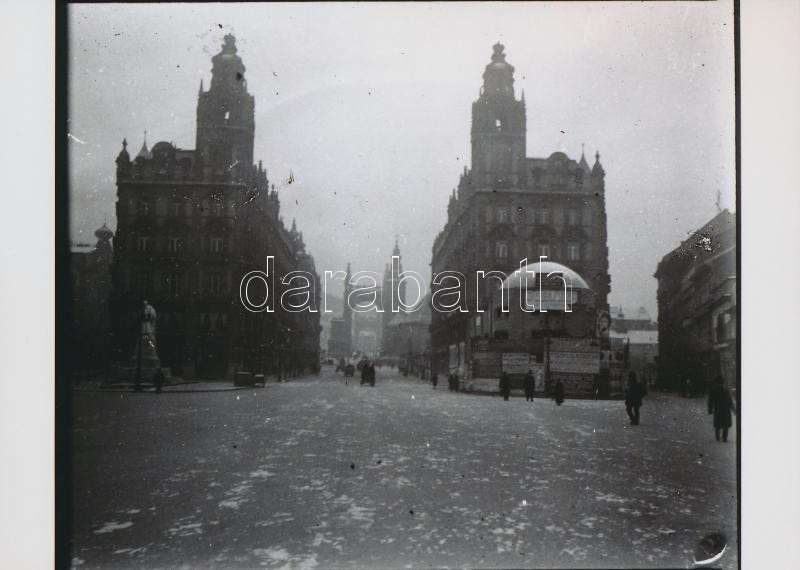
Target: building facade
(509,207)
(91,341)
(697,307)
(190,224)
(624,319)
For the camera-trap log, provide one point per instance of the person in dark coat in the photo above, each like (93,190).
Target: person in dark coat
(158,380)
(505,385)
(558,392)
(633,398)
(721,405)
(371,367)
(364,374)
(434,380)
(529,385)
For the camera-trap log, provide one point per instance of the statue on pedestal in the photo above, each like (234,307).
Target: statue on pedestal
(146,358)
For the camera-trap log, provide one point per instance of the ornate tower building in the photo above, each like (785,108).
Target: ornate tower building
(190,224)
(509,207)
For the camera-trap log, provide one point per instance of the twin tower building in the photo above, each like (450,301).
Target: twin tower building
(192,222)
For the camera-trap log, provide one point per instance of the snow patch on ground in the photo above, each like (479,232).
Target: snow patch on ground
(112,526)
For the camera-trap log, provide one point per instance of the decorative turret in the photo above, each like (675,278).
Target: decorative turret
(144,152)
(597,169)
(103,233)
(499,75)
(583,164)
(123,161)
(103,246)
(123,157)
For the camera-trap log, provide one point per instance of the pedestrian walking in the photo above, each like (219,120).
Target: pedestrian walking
(558,392)
(371,367)
(434,380)
(505,386)
(158,380)
(633,398)
(364,374)
(529,385)
(721,405)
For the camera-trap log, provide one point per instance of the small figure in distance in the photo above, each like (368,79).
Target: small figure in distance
(505,386)
(530,386)
(558,392)
(633,398)
(434,380)
(158,380)
(721,405)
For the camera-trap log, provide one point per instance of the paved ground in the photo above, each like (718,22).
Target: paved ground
(316,473)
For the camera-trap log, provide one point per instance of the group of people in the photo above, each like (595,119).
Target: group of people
(452,381)
(720,404)
(529,386)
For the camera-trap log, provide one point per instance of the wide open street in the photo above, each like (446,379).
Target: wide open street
(319,473)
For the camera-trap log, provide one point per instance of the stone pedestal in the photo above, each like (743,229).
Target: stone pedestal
(148,360)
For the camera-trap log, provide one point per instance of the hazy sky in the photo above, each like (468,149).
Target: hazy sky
(369,106)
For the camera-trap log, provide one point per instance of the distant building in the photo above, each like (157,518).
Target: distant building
(625,319)
(697,306)
(367,328)
(509,207)
(90,267)
(642,352)
(410,332)
(190,225)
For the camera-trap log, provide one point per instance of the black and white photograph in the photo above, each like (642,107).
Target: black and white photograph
(403,286)
(399,285)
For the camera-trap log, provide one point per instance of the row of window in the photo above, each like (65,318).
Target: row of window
(147,244)
(173,284)
(572,251)
(177,208)
(542,216)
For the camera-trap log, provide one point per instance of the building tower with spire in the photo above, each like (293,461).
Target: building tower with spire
(190,224)
(225,119)
(498,125)
(508,207)
(393,295)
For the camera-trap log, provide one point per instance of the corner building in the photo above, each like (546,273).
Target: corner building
(509,207)
(190,225)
